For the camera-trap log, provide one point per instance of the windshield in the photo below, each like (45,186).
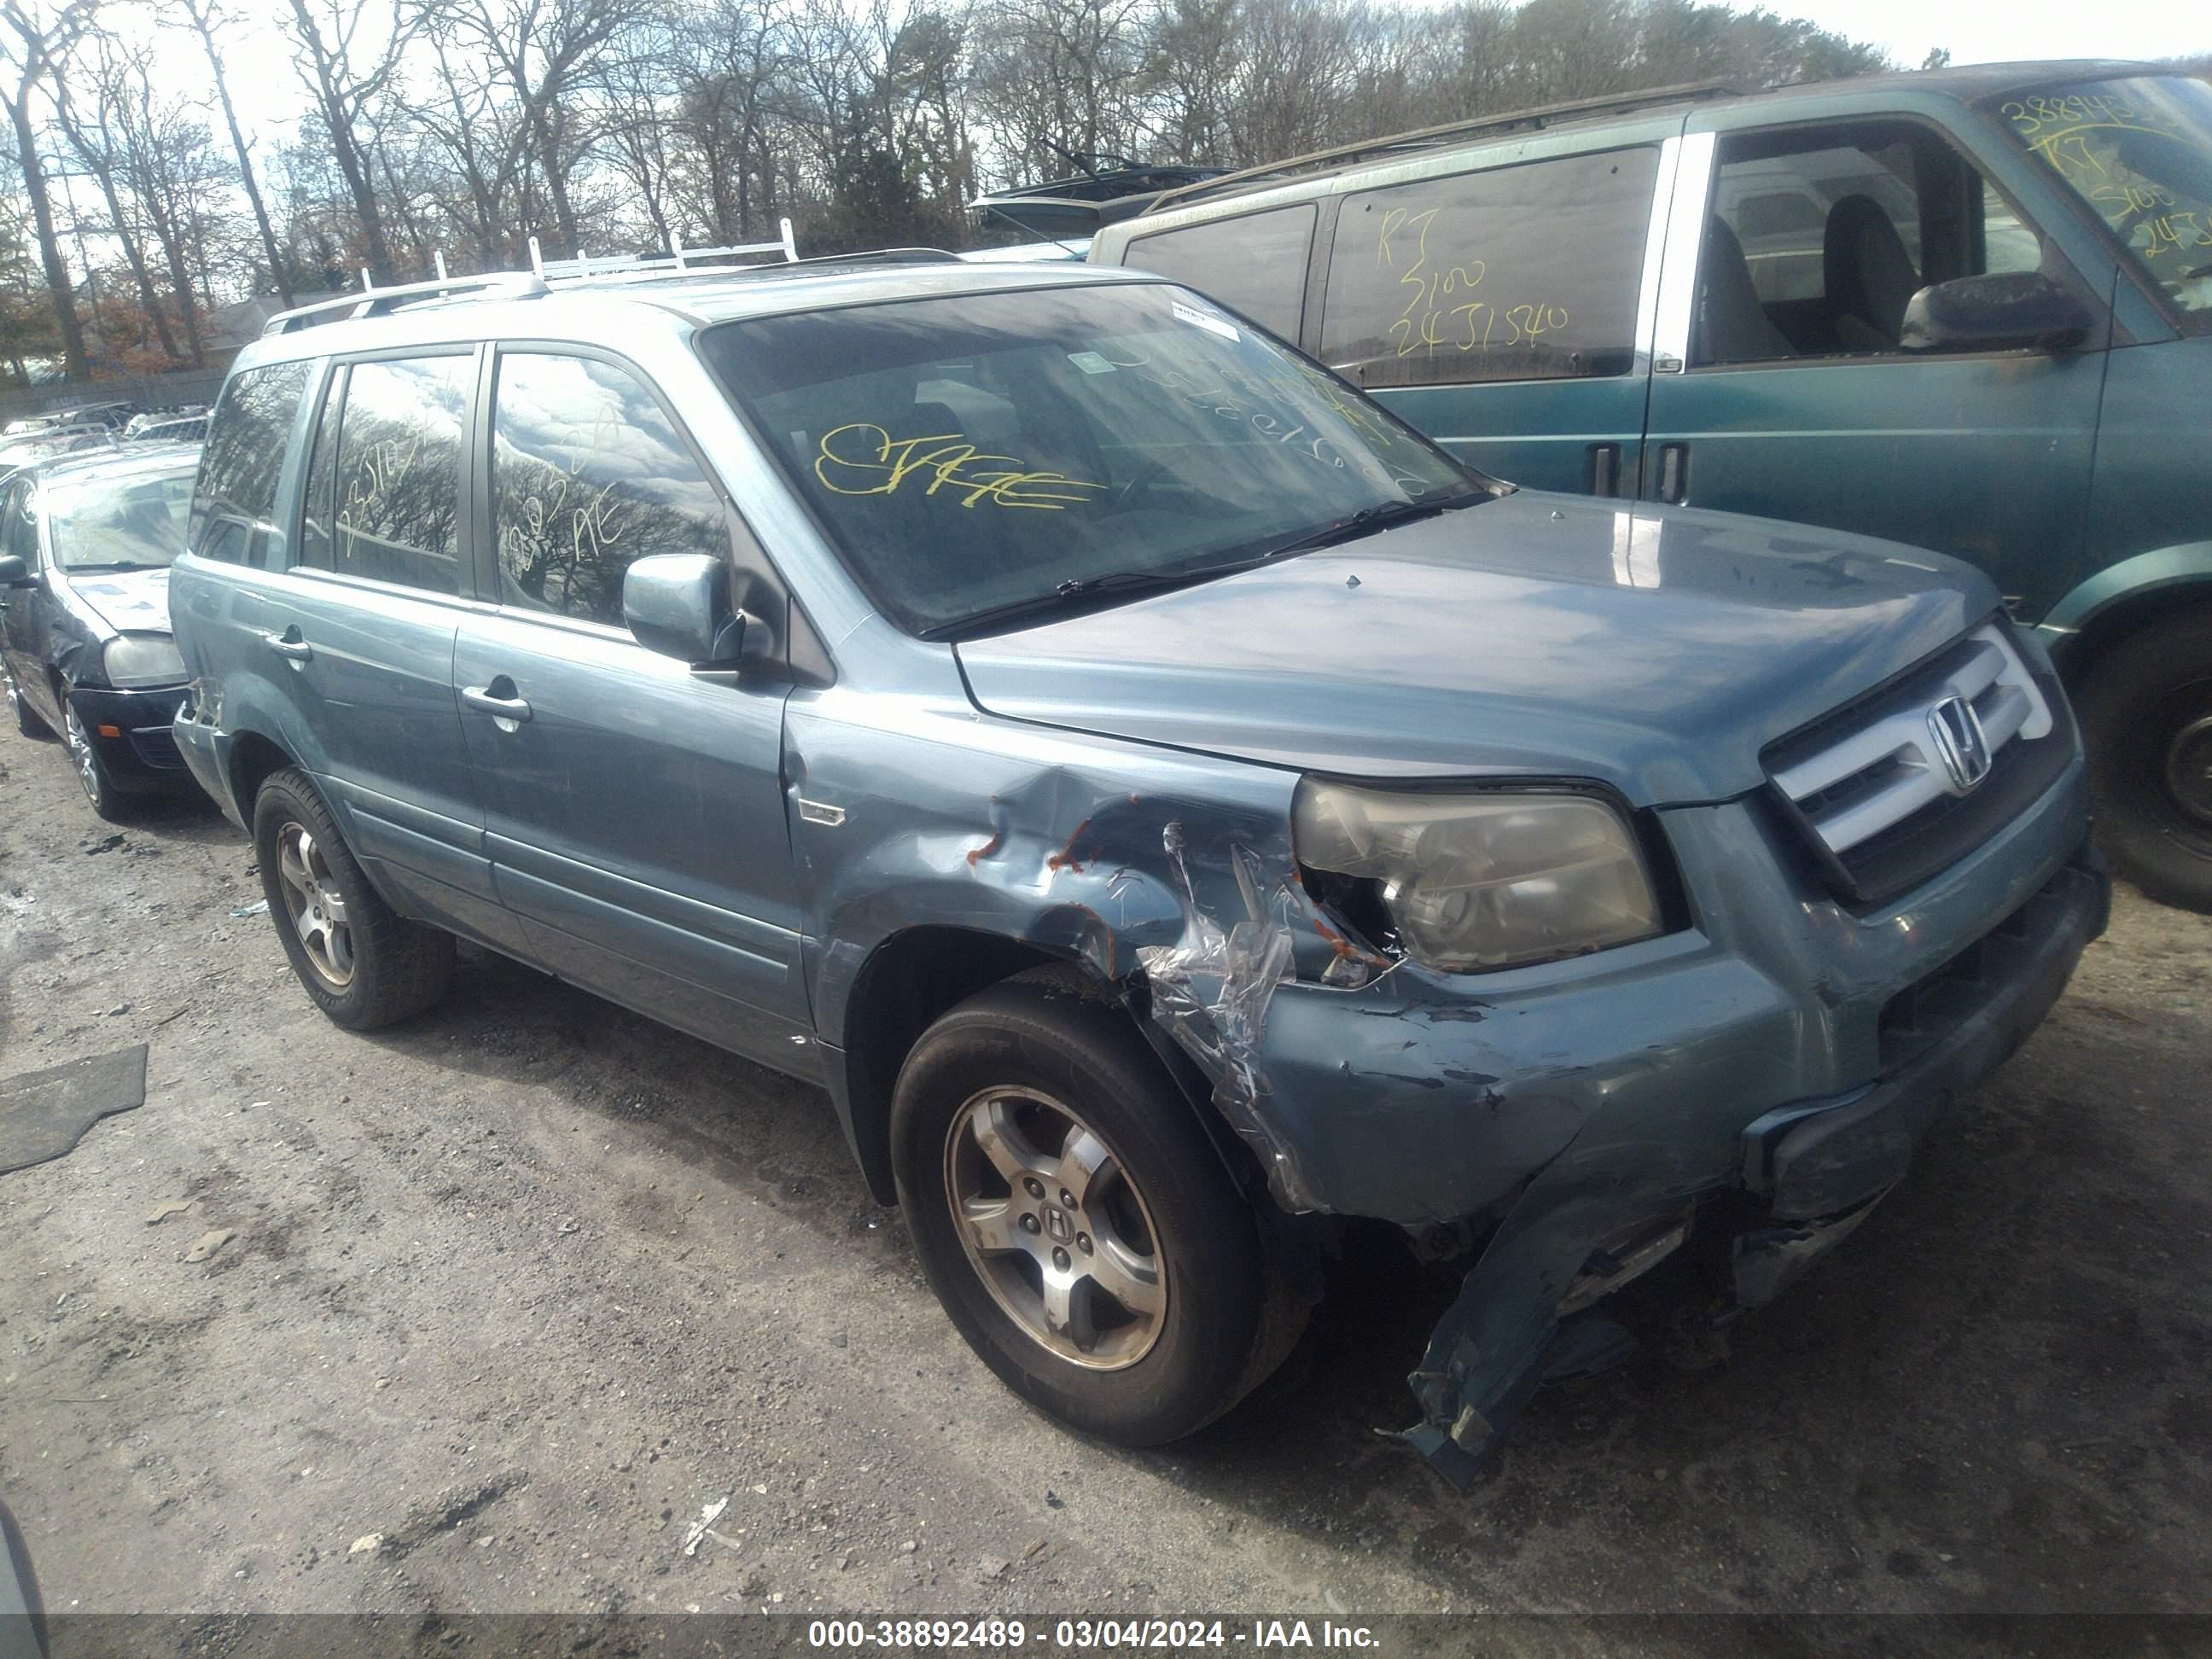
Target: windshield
(2139,152)
(972,454)
(106,522)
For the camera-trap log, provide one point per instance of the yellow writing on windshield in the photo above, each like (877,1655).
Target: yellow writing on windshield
(863,458)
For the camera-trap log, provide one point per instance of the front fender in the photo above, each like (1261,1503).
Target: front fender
(2182,565)
(1163,871)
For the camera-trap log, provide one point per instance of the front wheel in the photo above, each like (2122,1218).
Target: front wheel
(2147,720)
(363,964)
(99,783)
(1076,1221)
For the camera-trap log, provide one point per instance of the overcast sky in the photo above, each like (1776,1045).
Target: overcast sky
(1975,32)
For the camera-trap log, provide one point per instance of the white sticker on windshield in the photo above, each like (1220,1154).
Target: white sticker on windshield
(1090,362)
(1199,319)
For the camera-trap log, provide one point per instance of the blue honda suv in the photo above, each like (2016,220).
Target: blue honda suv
(1166,803)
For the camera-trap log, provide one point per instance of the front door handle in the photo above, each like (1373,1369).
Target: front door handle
(1674,473)
(290,645)
(485,700)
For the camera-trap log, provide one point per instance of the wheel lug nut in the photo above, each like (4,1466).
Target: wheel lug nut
(1028,1224)
(1083,1242)
(1034,1187)
(1059,1259)
(1067,1199)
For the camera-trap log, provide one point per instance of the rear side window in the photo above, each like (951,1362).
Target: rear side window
(1255,263)
(398,471)
(588,473)
(234,502)
(1520,273)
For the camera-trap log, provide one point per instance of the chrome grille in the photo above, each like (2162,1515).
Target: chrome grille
(1889,765)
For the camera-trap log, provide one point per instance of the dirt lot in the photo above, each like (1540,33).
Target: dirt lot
(523,1285)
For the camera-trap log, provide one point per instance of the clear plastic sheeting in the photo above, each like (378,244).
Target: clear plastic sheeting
(1211,990)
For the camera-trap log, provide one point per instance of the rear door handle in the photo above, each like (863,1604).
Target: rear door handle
(1604,477)
(287,645)
(483,698)
(1674,473)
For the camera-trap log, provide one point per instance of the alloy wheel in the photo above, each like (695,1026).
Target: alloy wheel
(1055,1228)
(79,748)
(315,904)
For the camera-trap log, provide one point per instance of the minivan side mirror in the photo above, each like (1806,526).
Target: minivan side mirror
(678,605)
(2002,311)
(13,573)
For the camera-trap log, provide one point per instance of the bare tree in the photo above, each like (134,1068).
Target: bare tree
(33,43)
(349,53)
(207,21)
(90,132)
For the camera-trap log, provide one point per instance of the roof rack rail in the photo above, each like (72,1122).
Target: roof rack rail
(681,262)
(885,255)
(1427,137)
(375,301)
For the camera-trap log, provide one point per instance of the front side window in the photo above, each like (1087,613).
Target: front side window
(18,530)
(976,454)
(398,472)
(588,473)
(1818,239)
(2138,151)
(1255,263)
(118,523)
(233,515)
(1520,273)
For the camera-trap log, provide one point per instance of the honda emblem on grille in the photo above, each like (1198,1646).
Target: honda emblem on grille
(1956,731)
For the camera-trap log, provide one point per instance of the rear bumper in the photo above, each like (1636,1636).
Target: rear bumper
(205,750)
(132,733)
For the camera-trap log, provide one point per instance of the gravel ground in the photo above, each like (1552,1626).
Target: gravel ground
(519,1287)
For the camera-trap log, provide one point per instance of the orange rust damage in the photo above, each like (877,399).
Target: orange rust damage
(1065,859)
(1345,948)
(998,840)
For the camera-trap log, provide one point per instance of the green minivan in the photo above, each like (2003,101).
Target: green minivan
(1968,309)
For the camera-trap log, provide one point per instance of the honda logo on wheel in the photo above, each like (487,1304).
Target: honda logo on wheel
(1955,730)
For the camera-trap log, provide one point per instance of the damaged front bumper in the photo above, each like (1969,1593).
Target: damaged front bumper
(1814,1168)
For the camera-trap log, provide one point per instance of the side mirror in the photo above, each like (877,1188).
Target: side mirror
(2002,311)
(12,573)
(678,605)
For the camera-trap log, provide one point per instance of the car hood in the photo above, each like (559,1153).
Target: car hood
(1655,649)
(128,601)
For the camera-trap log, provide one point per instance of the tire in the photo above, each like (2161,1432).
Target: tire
(27,719)
(2147,720)
(108,798)
(365,965)
(1045,1065)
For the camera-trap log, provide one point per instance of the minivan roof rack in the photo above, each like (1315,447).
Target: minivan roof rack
(1340,156)
(375,301)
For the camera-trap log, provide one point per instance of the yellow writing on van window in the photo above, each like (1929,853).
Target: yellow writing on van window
(1428,323)
(863,458)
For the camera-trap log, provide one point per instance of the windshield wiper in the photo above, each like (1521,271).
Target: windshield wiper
(1083,587)
(1380,516)
(116,564)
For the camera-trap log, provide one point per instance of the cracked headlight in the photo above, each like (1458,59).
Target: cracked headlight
(141,659)
(1482,881)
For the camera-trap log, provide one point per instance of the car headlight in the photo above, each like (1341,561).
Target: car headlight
(1483,881)
(141,659)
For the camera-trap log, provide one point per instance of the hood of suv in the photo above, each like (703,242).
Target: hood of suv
(128,601)
(1657,650)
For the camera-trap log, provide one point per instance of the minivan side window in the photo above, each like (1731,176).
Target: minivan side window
(235,500)
(1817,239)
(399,482)
(1255,263)
(1520,273)
(317,527)
(588,474)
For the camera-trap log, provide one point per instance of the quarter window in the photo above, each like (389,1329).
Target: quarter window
(1255,263)
(588,474)
(1519,273)
(398,475)
(235,503)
